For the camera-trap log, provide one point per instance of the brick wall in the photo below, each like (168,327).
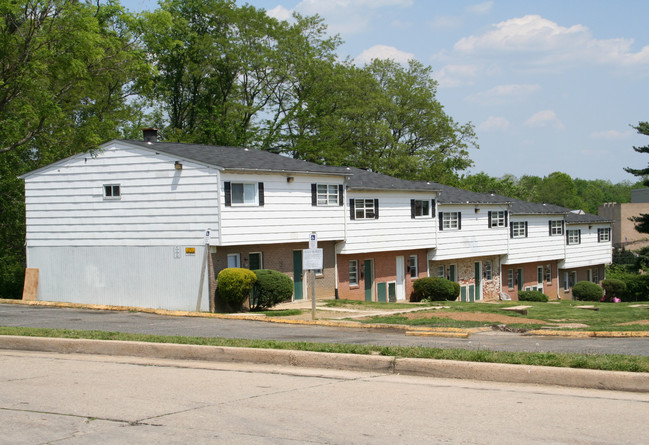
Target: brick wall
(277,257)
(385,270)
(465,274)
(530,279)
(582,275)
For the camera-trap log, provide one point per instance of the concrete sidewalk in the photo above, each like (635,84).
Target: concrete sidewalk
(543,375)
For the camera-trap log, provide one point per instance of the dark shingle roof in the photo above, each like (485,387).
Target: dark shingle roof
(577,218)
(367,180)
(235,158)
(454,195)
(534,208)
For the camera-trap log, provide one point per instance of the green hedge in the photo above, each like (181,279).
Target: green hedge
(614,288)
(234,285)
(272,287)
(434,289)
(532,295)
(587,291)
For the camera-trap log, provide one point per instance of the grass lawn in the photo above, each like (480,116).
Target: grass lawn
(552,315)
(609,362)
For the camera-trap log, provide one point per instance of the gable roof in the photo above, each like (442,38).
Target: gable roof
(534,208)
(581,217)
(367,180)
(236,158)
(454,195)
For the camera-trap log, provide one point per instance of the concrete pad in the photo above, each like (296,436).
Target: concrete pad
(587,307)
(518,309)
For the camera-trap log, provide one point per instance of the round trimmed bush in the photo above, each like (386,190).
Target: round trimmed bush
(433,289)
(614,288)
(234,285)
(456,291)
(272,287)
(587,291)
(532,295)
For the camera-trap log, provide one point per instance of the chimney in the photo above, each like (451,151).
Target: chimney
(150,134)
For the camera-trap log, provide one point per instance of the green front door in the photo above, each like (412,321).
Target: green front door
(478,279)
(519,278)
(451,272)
(298,288)
(369,279)
(381,292)
(255,261)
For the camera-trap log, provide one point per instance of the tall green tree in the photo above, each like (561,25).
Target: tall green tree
(642,221)
(67,70)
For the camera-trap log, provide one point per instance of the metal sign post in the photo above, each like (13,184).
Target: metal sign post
(312,260)
(204,266)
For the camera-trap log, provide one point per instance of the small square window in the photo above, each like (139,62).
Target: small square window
(518,229)
(574,237)
(422,208)
(556,228)
(244,193)
(450,220)
(327,195)
(364,209)
(498,219)
(112,191)
(603,235)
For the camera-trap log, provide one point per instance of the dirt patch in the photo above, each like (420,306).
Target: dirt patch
(473,316)
(628,323)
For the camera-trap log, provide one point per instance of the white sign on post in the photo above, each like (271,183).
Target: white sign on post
(313,240)
(312,259)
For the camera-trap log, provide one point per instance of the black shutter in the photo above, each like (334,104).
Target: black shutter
(506,221)
(412,209)
(341,199)
(314,195)
(352,213)
(563,226)
(567,239)
(260,186)
(459,220)
(511,230)
(228,194)
(441,221)
(489,219)
(525,229)
(579,236)
(432,208)
(376,209)
(550,228)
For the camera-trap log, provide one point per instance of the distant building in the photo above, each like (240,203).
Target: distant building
(624,233)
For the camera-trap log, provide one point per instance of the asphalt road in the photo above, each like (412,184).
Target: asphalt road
(87,399)
(144,323)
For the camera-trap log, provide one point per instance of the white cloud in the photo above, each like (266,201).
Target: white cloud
(611,135)
(384,52)
(545,118)
(479,8)
(280,13)
(399,24)
(456,75)
(549,43)
(494,123)
(504,94)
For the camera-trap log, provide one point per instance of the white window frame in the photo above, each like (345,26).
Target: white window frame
(450,220)
(566,281)
(353,273)
(364,208)
(420,206)
(510,278)
(251,199)
(596,275)
(604,235)
(110,189)
(548,273)
(412,266)
(441,271)
(556,227)
(573,237)
(487,270)
(518,229)
(327,194)
(234,258)
(498,218)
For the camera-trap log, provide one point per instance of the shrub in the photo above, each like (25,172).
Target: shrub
(456,289)
(587,291)
(637,288)
(532,295)
(272,287)
(614,288)
(234,285)
(433,289)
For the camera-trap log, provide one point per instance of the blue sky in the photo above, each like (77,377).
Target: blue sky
(549,85)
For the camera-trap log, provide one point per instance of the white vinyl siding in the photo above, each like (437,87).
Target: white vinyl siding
(590,251)
(287,216)
(538,245)
(157,204)
(394,229)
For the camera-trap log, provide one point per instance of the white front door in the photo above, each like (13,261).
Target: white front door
(401,278)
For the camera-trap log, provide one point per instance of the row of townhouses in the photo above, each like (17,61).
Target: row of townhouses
(151,224)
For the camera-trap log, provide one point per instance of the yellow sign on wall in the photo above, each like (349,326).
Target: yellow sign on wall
(190,251)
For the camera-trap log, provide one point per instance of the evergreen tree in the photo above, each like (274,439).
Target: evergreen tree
(642,221)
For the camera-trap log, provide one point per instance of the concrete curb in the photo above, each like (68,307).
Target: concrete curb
(494,372)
